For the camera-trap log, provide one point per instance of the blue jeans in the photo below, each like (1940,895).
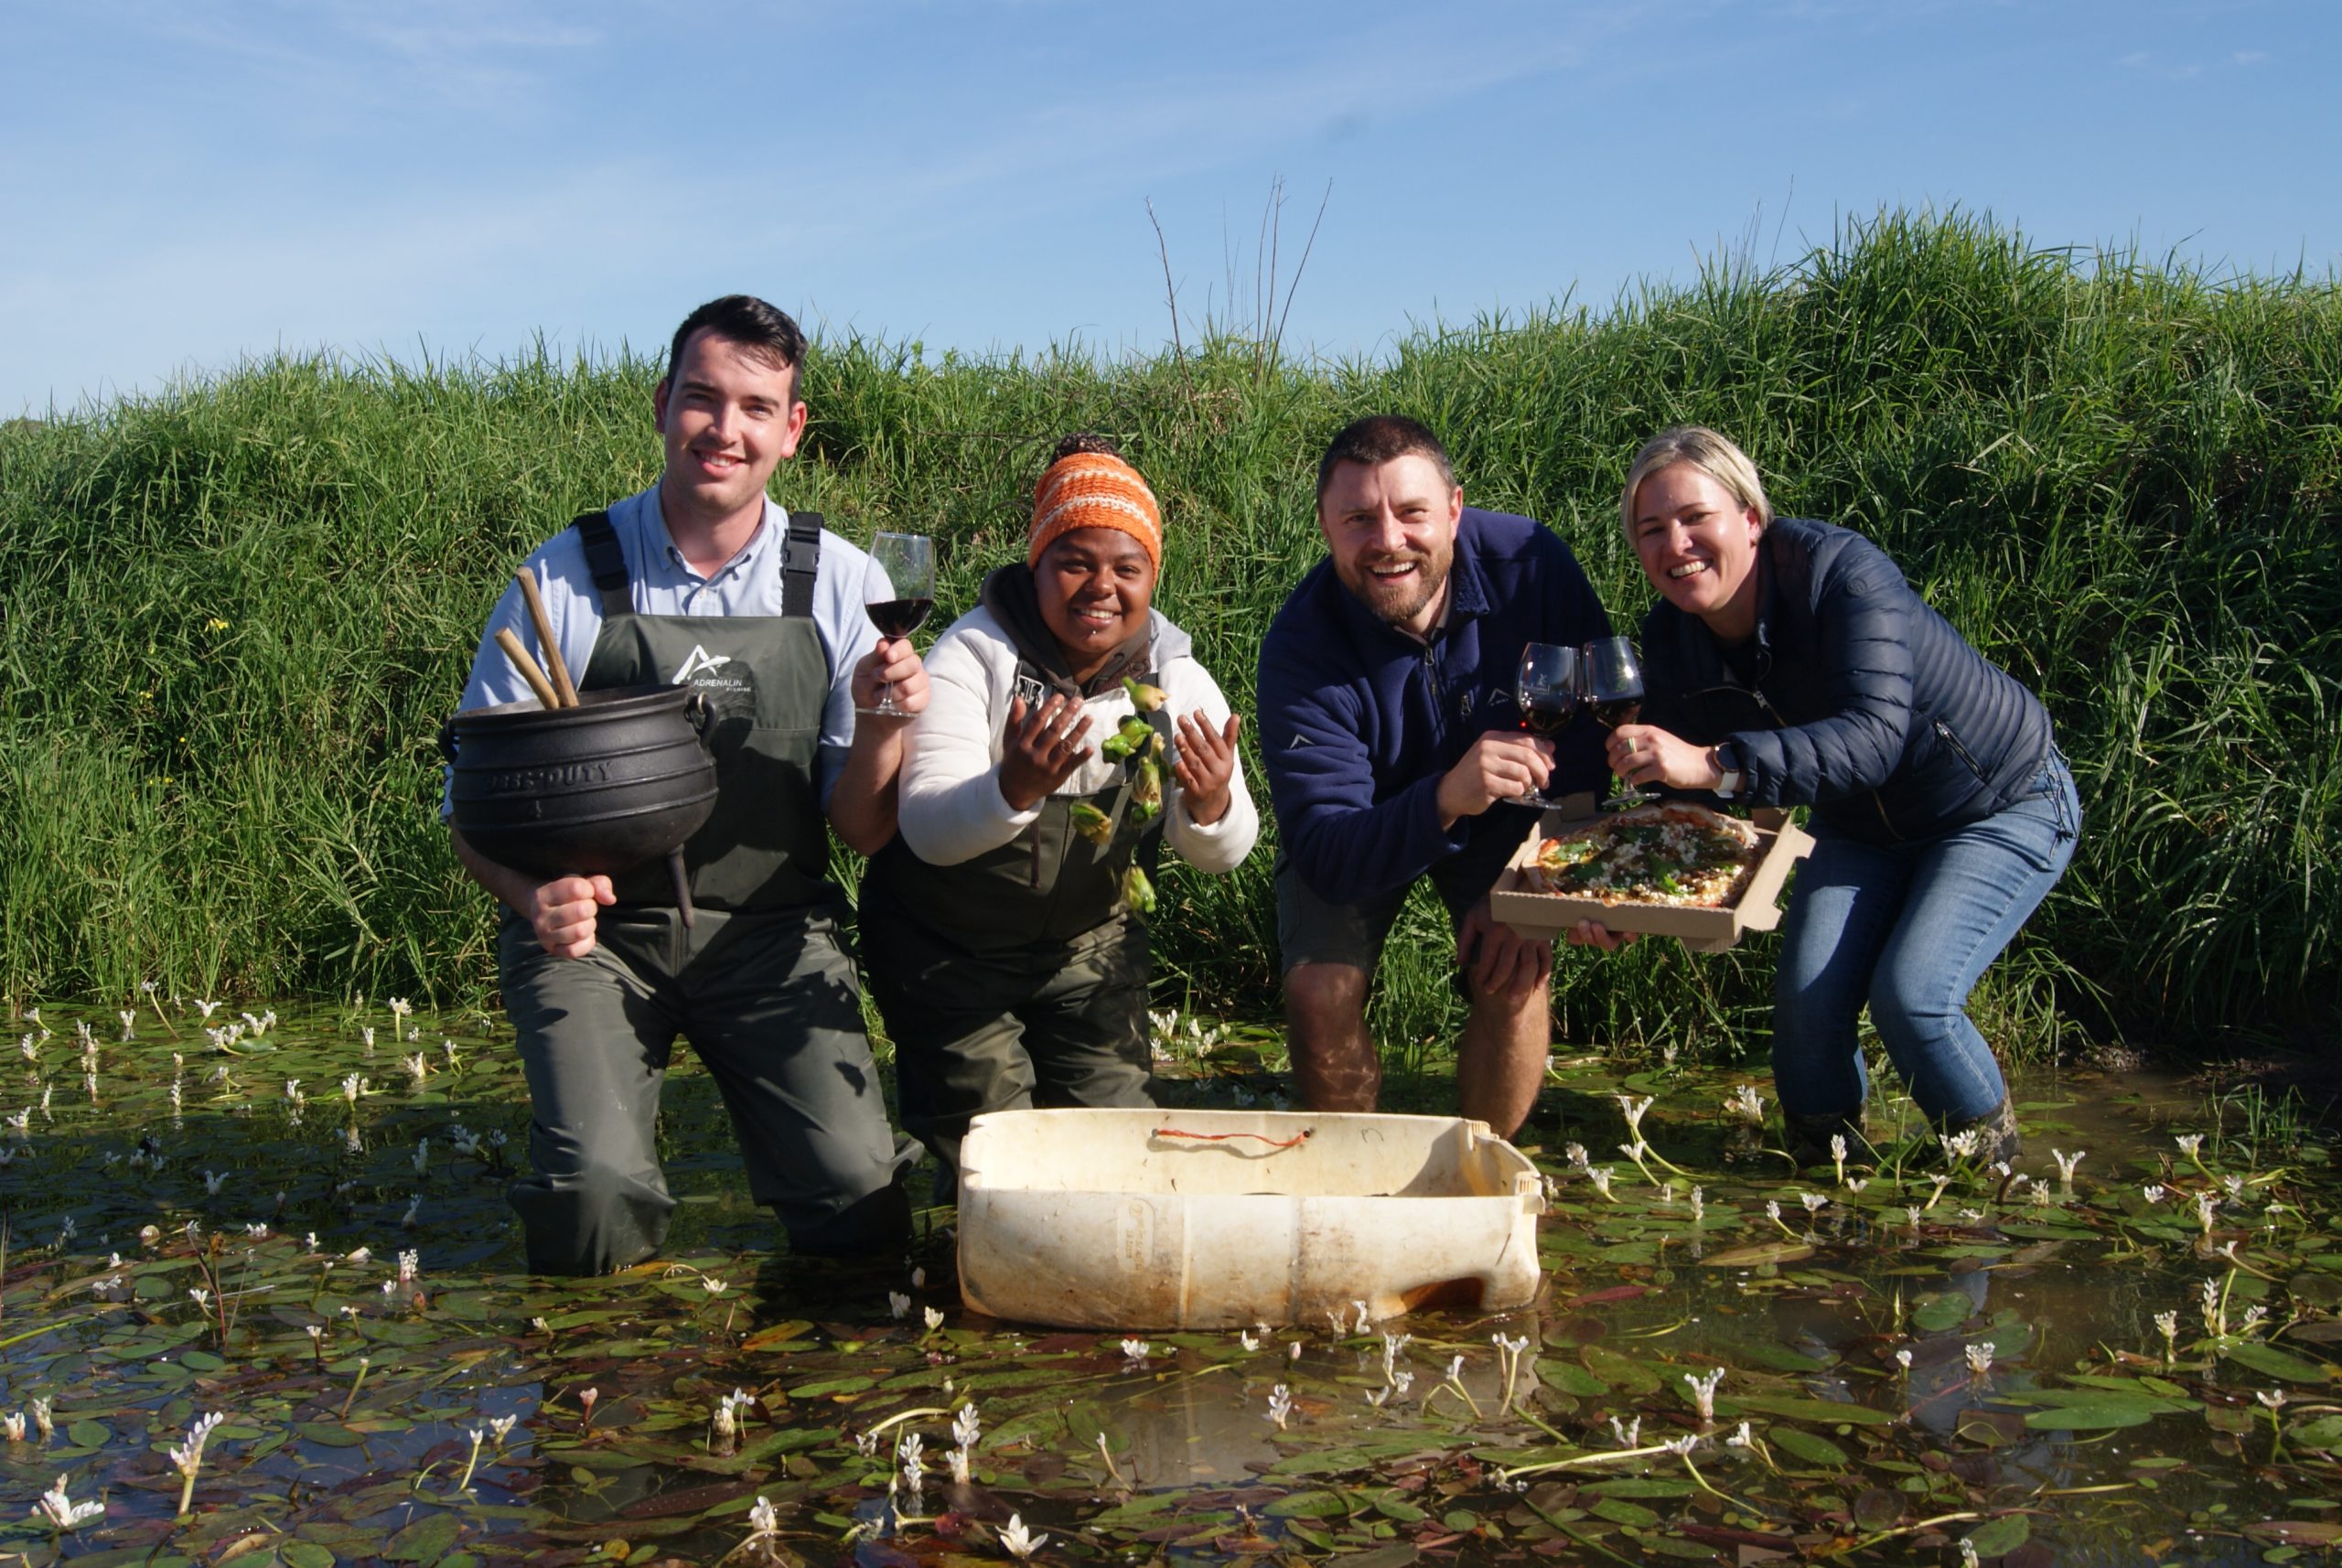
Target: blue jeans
(1909,928)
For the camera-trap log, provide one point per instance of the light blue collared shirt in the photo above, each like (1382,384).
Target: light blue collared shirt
(664,585)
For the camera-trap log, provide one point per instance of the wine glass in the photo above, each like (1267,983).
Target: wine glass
(899,595)
(1549,690)
(1613,694)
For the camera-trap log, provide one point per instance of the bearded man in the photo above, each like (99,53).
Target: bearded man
(1394,750)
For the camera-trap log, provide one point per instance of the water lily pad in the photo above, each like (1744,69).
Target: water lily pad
(2276,1363)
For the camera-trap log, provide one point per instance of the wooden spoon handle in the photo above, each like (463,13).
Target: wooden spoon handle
(527,667)
(555,665)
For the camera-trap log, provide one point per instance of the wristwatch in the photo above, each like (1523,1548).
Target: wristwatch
(1727,764)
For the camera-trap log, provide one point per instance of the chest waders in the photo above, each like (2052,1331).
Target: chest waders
(759,985)
(1018,977)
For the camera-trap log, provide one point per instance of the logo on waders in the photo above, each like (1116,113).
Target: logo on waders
(700,661)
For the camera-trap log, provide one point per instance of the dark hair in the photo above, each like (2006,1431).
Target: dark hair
(1084,441)
(1381,438)
(766,331)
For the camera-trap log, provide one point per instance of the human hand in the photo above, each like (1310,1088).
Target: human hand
(1645,753)
(894,666)
(1206,762)
(561,913)
(1501,765)
(1502,964)
(1595,934)
(1040,750)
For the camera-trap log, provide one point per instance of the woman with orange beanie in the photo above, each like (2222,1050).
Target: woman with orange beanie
(1068,731)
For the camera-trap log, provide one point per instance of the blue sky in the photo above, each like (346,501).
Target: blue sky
(195,182)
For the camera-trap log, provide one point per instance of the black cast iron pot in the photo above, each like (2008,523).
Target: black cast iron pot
(622,778)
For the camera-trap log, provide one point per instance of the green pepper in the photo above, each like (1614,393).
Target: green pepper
(1144,697)
(1091,824)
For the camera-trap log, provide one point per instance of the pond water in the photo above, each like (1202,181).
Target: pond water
(302,1228)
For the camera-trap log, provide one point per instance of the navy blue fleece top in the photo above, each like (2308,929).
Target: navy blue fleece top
(1359,721)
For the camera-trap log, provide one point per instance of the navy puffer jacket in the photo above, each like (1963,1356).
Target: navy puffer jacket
(1865,703)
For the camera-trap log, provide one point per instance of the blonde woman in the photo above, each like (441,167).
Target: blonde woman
(1789,664)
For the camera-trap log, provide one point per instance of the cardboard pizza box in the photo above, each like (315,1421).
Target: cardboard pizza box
(1780,841)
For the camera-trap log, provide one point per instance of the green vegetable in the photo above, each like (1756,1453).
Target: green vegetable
(1092,824)
(1146,791)
(1138,892)
(1144,697)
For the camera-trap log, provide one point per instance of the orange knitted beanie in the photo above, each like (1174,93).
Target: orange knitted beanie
(1094,490)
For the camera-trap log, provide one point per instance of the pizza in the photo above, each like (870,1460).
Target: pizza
(1684,855)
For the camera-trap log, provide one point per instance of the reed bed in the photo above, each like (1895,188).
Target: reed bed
(232,616)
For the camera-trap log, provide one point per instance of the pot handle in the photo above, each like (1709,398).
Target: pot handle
(447,741)
(698,715)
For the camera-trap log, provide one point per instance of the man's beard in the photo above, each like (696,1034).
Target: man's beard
(1399,603)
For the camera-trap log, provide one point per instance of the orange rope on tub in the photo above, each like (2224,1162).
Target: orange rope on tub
(1293,1142)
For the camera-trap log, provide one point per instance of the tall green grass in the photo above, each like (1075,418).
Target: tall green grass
(235,614)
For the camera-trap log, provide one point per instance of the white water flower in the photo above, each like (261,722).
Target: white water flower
(1745,1104)
(1980,1357)
(1740,1439)
(933,1316)
(128,1019)
(1812,1202)
(2273,1398)
(2065,1162)
(1135,1349)
(409,1264)
(1280,1405)
(1968,1558)
(201,1297)
(11,1425)
(1601,1179)
(2206,1204)
(1773,1210)
(1699,1204)
(910,1454)
(1019,1542)
(2167,1325)
(965,1427)
(1634,1110)
(352,1087)
(62,1512)
(2189,1142)
(956,1461)
(367,1035)
(899,1305)
(2153,1192)
(1365,1318)
(1962,1146)
(1247,1340)
(2233,1186)
(1704,1391)
(44,1421)
(713,1285)
(1629,1435)
(1903,1360)
(186,1456)
(1855,1184)
(417,1066)
(1575,1154)
(763,1517)
(1682,1445)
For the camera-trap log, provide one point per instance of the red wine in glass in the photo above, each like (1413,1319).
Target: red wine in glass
(898,594)
(899,617)
(1548,689)
(1613,691)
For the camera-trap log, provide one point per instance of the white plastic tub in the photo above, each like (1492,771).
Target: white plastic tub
(1112,1220)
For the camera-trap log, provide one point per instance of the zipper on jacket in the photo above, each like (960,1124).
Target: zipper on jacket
(1944,731)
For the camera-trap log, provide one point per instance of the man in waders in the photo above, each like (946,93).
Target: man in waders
(702,580)
(1394,750)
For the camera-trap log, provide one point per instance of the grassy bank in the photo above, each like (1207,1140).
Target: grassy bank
(234,616)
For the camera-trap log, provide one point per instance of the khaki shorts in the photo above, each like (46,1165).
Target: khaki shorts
(1311,929)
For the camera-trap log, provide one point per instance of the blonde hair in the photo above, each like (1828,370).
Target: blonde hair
(1705,449)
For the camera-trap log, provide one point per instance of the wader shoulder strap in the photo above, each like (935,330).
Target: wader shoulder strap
(606,562)
(802,565)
